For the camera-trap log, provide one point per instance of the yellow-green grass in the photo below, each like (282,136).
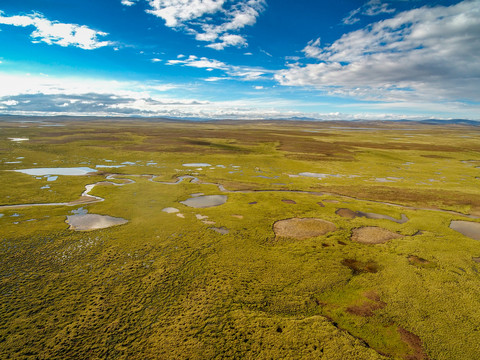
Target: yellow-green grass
(162,287)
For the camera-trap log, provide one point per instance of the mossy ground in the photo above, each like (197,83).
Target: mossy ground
(165,287)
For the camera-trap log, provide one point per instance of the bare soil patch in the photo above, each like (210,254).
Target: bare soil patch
(346,213)
(288,201)
(414,343)
(302,228)
(367,308)
(359,267)
(373,235)
(418,261)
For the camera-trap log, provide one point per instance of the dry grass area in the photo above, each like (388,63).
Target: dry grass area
(373,235)
(302,228)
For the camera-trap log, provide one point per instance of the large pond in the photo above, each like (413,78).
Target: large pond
(86,222)
(75,171)
(467,228)
(205,201)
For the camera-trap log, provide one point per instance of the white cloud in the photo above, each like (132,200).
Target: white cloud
(54,32)
(228,40)
(10,102)
(425,54)
(154,60)
(50,95)
(129,2)
(370,8)
(239,72)
(211,21)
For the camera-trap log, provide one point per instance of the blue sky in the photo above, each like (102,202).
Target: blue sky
(249,59)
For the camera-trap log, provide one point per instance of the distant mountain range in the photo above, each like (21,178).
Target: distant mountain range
(304,119)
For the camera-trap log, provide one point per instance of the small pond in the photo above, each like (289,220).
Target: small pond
(467,228)
(205,201)
(87,222)
(196,165)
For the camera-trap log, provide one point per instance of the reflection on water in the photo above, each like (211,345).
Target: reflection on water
(467,228)
(88,222)
(205,201)
(75,171)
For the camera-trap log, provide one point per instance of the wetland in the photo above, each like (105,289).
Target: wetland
(239,239)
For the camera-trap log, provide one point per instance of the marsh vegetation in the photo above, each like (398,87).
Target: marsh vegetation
(239,240)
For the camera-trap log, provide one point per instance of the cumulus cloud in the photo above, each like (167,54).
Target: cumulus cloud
(214,21)
(370,8)
(129,2)
(54,32)
(44,95)
(429,53)
(239,72)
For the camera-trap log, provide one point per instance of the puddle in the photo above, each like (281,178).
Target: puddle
(45,187)
(266,177)
(350,214)
(221,230)
(171,210)
(109,166)
(89,222)
(75,171)
(467,228)
(205,201)
(18,139)
(316,175)
(52,178)
(388,179)
(402,220)
(80,211)
(196,165)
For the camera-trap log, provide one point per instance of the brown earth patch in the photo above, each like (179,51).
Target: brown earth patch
(418,261)
(373,235)
(288,201)
(414,343)
(359,267)
(476,259)
(238,216)
(433,156)
(302,228)
(320,204)
(346,213)
(367,308)
(416,197)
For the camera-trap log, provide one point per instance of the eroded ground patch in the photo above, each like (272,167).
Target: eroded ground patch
(302,228)
(373,235)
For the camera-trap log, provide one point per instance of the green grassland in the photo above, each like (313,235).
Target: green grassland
(167,287)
